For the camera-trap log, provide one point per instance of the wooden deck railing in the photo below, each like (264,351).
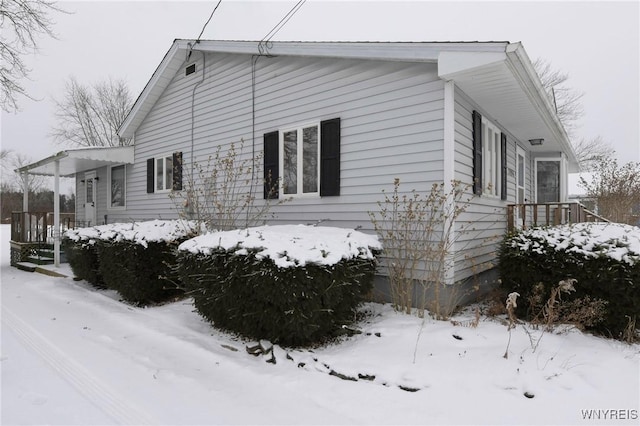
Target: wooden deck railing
(37,227)
(524,216)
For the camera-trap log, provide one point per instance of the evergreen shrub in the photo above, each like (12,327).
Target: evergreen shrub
(82,256)
(603,258)
(242,290)
(141,274)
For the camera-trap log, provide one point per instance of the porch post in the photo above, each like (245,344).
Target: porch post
(25,191)
(56,215)
(25,205)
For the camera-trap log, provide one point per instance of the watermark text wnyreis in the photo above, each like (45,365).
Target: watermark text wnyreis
(609,414)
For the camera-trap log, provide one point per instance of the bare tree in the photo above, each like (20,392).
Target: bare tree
(22,21)
(567,100)
(591,152)
(91,115)
(12,181)
(569,110)
(616,190)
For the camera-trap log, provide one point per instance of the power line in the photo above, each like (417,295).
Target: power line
(263,46)
(208,20)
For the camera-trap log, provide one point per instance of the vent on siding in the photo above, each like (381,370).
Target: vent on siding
(190,69)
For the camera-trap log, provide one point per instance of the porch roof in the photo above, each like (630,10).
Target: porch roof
(72,161)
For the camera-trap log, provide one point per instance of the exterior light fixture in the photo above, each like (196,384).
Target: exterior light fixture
(536,142)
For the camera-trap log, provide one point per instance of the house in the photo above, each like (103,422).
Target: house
(365,113)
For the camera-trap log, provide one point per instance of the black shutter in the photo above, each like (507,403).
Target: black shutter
(271,166)
(150,175)
(477,153)
(503,165)
(330,157)
(177,171)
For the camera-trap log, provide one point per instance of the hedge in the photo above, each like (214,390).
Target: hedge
(284,299)
(603,258)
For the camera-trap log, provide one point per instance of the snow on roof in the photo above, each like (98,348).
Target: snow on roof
(289,245)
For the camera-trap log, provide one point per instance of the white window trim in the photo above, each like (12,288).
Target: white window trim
(164,172)
(491,157)
(109,206)
(300,183)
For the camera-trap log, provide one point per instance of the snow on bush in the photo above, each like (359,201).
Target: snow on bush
(603,258)
(138,232)
(617,241)
(289,245)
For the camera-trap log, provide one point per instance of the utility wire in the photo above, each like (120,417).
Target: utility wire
(208,20)
(203,28)
(263,46)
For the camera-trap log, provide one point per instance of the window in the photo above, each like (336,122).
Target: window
(164,173)
(491,183)
(489,158)
(164,169)
(303,161)
(117,186)
(299,150)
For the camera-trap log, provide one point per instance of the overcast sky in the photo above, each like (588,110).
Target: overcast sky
(595,43)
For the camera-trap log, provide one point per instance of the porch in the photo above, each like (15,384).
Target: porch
(523,216)
(33,235)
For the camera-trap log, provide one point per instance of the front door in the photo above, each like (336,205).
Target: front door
(90,192)
(548,181)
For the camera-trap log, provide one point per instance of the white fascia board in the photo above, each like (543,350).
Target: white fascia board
(389,51)
(452,64)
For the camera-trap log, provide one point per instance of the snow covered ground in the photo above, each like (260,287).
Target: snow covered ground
(74,355)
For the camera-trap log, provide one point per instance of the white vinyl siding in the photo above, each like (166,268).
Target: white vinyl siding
(391,125)
(482,226)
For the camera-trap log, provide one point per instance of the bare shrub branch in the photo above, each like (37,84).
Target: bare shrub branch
(222,192)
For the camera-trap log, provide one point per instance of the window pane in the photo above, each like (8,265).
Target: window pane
(520,170)
(290,166)
(159,173)
(90,190)
(168,173)
(117,186)
(310,159)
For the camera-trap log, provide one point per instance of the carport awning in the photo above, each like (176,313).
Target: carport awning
(72,161)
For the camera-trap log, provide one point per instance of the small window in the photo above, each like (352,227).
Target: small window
(492,155)
(117,190)
(299,150)
(164,173)
(190,69)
